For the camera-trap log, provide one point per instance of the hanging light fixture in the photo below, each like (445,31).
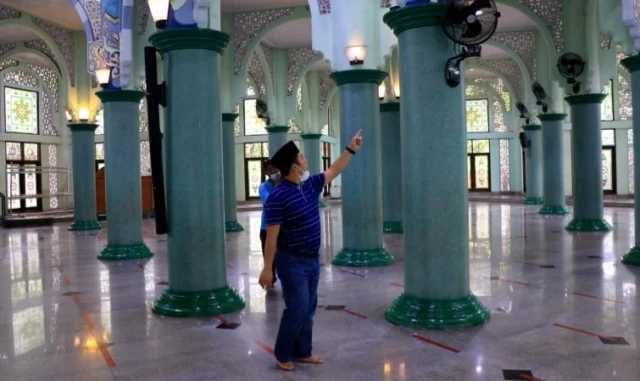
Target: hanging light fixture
(356,54)
(159,11)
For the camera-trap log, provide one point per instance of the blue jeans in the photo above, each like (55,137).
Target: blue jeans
(299,278)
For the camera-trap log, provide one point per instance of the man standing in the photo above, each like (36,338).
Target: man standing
(293,244)
(265,189)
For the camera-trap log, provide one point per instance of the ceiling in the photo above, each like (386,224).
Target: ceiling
(16,33)
(57,11)
(294,34)
(511,20)
(477,73)
(33,59)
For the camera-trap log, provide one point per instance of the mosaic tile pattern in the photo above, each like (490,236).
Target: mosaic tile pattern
(297,59)
(64,40)
(326,85)
(8,13)
(524,44)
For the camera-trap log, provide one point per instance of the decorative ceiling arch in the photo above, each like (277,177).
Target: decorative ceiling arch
(549,12)
(299,61)
(488,88)
(324,6)
(8,13)
(63,39)
(523,44)
(326,85)
(89,12)
(508,70)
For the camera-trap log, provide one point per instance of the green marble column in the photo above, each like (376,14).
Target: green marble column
(228,152)
(391,173)
(122,176)
(586,149)
(436,215)
(361,180)
(312,154)
(83,156)
(533,164)
(277,137)
(194,166)
(633,65)
(553,164)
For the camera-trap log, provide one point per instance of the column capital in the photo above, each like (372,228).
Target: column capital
(390,107)
(414,16)
(311,136)
(229,117)
(532,127)
(276,129)
(551,117)
(133,96)
(82,126)
(178,39)
(585,99)
(631,63)
(359,76)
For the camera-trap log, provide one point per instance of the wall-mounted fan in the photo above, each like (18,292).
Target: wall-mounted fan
(571,66)
(263,111)
(525,142)
(524,112)
(541,95)
(468,25)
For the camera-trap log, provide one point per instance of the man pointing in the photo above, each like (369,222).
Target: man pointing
(293,244)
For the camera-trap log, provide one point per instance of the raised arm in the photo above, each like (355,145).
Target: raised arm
(339,165)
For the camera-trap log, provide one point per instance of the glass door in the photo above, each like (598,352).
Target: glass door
(608,161)
(23,179)
(255,155)
(478,165)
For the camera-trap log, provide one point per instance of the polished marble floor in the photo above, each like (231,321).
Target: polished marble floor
(558,300)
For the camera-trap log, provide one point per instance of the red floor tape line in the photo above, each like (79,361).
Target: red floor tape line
(397,285)
(527,377)
(352,273)
(581,331)
(597,297)
(354,313)
(265,347)
(436,343)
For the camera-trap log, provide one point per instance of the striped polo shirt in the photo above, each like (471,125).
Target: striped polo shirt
(295,209)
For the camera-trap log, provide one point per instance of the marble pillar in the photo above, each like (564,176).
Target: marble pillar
(633,65)
(533,163)
(436,293)
(312,154)
(195,199)
(361,180)
(277,137)
(122,176)
(228,152)
(586,147)
(391,164)
(83,156)
(553,164)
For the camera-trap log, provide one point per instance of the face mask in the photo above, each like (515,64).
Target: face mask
(305,175)
(273,177)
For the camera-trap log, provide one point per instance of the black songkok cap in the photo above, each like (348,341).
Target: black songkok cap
(285,157)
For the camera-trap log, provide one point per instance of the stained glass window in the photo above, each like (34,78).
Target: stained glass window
(14,151)
(254,170)
(505,173)
(252,150)
(13,185)
(99,151)
(498,117)
(482,171)
(624,90)
(480,146)
(473,91)
(145,158)
(100,122)
(607,169)
(608,137)
(21,111)
(31,152)
(477,115)
(606,107)
(53,177)
(30,182)
(265,149)
(252,124)
(630,153)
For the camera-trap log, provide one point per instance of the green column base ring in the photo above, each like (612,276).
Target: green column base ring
(321,204)
(632,257)
(393,227)
(460,313)
(198,303)
(595,225)
(362,258)
(558,210)
(533,201)
(124,252)
(233,227)
(79,226)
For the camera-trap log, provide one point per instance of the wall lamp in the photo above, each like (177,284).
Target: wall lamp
(356,54)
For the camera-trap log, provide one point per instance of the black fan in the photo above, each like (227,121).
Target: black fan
(524,112)
(571,66)
(524,141)
(470,24)
(263,111)
(541,95)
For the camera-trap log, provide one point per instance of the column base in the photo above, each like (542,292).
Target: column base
(79,226)
(321,204)
(632,257)
(393,227)
(596,225)
(363,258)
(437,314)
(533,201)
(198,303)
(233,227)
(558,210)
(124,252)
